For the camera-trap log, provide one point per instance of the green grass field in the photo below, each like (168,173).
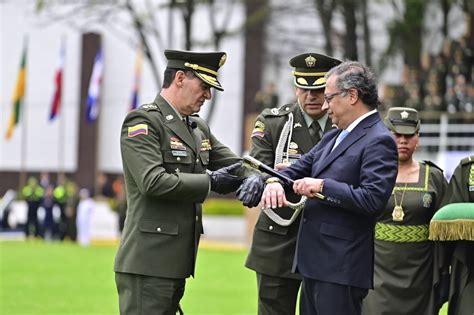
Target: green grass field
(63,278)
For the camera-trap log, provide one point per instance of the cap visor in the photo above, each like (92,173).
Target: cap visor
(404,130)
(212,81)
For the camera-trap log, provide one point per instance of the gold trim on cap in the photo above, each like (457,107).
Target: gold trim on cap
(320,81)
(199,68)
(302,81)
(309,74)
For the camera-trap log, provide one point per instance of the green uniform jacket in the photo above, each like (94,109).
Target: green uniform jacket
(461,291)
(273,246)
(164,164)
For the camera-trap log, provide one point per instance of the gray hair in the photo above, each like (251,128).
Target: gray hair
(354,75)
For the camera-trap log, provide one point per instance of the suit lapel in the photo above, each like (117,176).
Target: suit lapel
(173,122)
(359,131)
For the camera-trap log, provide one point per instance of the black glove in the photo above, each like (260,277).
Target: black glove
(250,192)
(223,182)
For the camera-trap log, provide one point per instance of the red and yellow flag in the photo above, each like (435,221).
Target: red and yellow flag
(18,95)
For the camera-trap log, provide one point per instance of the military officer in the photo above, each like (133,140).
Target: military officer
(166,149)
(280,136)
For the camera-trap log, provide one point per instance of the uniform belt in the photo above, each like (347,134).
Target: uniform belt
(401,233)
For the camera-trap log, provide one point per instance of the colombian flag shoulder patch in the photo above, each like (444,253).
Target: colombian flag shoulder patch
(138,130)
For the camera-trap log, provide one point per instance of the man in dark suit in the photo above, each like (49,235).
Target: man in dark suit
(166,150)
(348,177)
(280,137)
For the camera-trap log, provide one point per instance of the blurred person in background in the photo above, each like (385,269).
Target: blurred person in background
(33,194)
(71,210)
(48,227)
(85,210)
(60,200)
(405,260)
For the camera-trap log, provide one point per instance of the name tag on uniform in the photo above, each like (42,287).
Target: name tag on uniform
(179,153)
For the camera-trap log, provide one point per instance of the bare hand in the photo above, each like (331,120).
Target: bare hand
(307,186)
(274,196)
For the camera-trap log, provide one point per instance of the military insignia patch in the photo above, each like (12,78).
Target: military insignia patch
(140,129)
(297,125)
(206,145)
(176,144)
(427,199)
(169,117)
(259,130)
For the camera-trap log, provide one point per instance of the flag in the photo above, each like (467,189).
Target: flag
(58,81)
(92,111)
(18,95)
(136,83)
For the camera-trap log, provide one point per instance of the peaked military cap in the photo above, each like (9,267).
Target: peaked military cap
(203,64)
(310,69)
(403,120)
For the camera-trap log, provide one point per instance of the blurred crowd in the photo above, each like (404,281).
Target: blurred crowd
(61,210)
(443,83)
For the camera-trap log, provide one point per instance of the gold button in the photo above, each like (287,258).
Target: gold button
(178,159)
(158,229)
(197,160)
(270,227)
(197,218)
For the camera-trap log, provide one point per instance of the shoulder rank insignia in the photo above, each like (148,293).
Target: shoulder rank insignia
(297,125)
(138,130)
(258,130)
(274,111)
(169,117)
(150,107)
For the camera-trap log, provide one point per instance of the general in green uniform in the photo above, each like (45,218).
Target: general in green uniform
(280,136)
(461,293)
(166,150)
(404,262)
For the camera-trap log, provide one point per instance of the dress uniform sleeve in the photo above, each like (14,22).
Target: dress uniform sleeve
(454,191)
(441,186)
(142,158)
(262,146)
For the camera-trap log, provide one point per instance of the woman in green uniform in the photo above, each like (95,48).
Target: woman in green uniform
(404,257)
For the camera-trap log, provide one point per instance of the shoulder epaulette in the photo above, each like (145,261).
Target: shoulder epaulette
(467,160)
(430,163)
(278,111)
(149,107)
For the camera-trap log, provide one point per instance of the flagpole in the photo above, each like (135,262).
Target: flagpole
(61,115)
(24,129)
(23,147)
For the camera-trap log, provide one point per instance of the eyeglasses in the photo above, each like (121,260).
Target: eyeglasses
(328,98)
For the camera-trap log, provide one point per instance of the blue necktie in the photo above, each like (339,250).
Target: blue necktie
(341,137)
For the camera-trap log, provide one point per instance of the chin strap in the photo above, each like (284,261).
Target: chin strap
(285,138)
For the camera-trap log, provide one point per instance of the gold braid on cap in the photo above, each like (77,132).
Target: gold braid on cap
(199,68)
(310,74)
